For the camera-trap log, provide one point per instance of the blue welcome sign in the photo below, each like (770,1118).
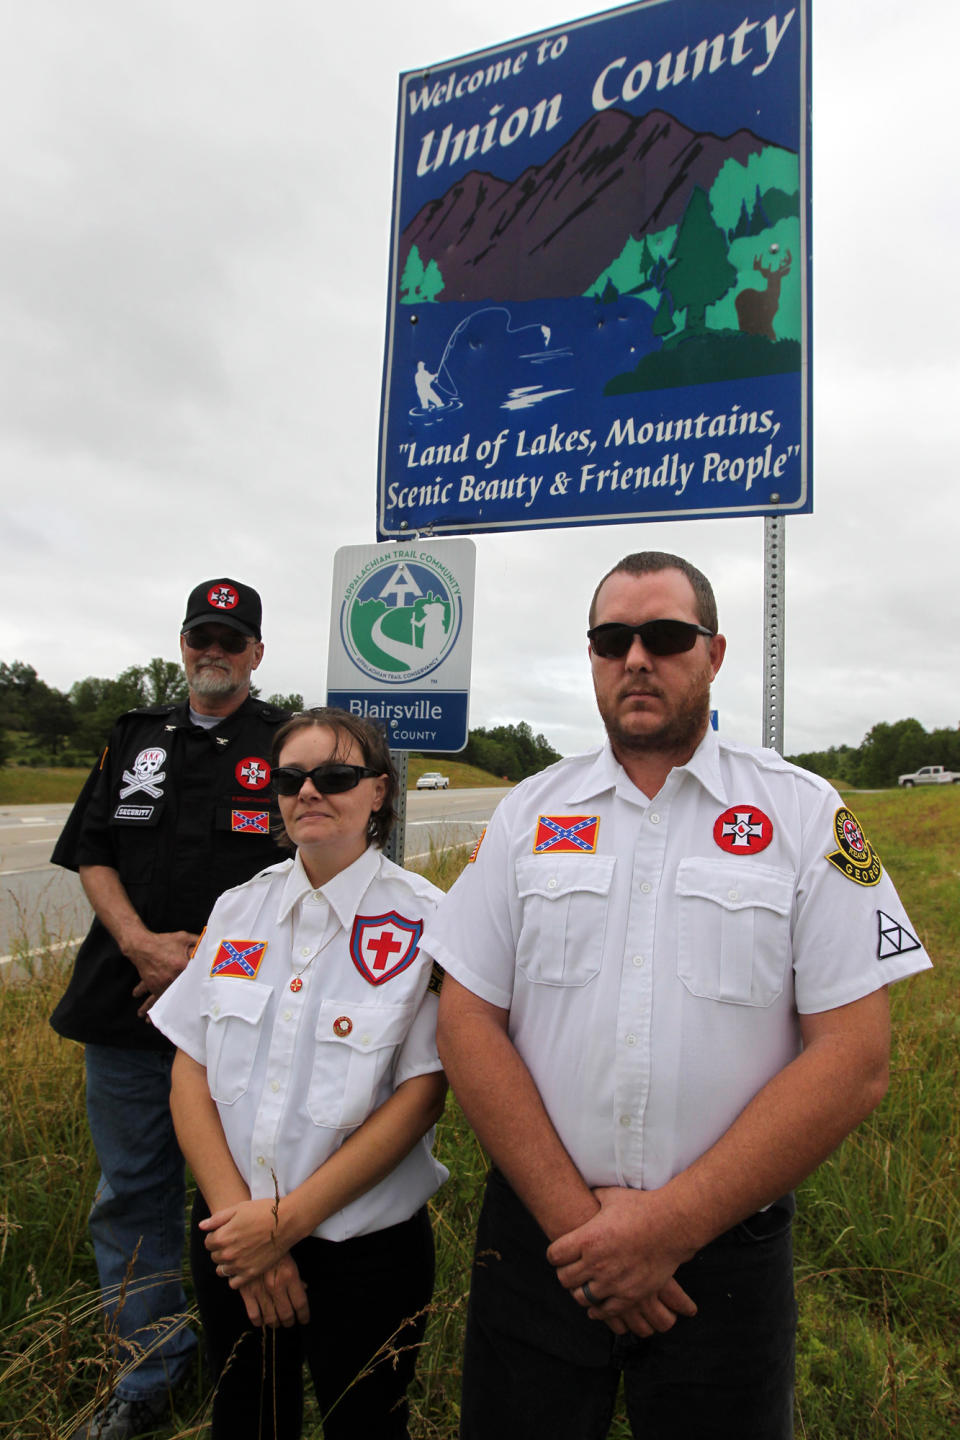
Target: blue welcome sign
(599,302)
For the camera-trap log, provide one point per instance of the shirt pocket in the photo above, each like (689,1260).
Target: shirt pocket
(233,1010)
(564,917)
(734,930)
(355,1047)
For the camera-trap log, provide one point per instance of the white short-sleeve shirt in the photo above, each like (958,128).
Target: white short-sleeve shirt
(654,954)
(308,1008)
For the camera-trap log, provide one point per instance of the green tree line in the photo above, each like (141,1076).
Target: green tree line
(510,751)
(887,751)
(40,725)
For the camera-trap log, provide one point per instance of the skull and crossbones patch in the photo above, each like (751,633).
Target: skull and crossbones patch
(146,774)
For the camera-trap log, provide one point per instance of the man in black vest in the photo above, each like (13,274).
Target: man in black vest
(176,810)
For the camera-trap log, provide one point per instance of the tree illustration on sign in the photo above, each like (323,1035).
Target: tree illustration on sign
(419,282)
(700,273)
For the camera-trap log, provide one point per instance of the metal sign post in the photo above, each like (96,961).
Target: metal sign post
(396,842)
(774,600)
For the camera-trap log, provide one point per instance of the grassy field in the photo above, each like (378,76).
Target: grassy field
(877,1236)
(39,785)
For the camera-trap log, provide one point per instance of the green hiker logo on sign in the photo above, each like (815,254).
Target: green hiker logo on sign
(400,617)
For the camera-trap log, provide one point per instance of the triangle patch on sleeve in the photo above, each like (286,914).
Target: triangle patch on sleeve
(893,938)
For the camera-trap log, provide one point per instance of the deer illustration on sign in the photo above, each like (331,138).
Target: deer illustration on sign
(756,308)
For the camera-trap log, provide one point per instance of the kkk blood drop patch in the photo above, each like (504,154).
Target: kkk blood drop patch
(252,772)
(223,597)
(743,830)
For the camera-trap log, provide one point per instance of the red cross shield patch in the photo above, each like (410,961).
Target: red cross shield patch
(383,945)
(239,959)
(743,830)
(569,834)
(252,772)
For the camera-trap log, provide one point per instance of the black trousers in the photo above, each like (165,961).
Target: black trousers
(537,1365)
(363,1294)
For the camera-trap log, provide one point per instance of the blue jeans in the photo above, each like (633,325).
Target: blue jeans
(138,1209)
(536,1364)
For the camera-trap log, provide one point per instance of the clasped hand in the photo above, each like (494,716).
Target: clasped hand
(243,1240)
(159,957)
(628,1253)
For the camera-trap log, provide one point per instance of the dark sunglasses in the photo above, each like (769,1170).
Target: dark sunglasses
(231,641)
(659,637)
(331,779)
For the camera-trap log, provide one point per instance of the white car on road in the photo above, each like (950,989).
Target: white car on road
(433,780)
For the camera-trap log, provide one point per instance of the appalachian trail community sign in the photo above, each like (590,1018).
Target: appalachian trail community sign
(599,302)
(401,632)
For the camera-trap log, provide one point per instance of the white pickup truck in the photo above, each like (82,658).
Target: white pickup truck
(433,780)
(930,775)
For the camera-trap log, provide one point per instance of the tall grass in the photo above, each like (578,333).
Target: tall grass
(877,1234)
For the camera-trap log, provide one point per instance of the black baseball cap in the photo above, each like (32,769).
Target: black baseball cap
(226,602)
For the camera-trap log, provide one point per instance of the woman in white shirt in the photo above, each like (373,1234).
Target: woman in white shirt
(305,1091)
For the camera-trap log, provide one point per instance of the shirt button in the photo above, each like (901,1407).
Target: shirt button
(645,888)
(304,950)
(215,1009)
(733,894)
(287,1014)
(625,1121)
(274,1086)
(551,884)
(631,1039)
(364,1039)
(654,819)
(638,961)
(260,1160)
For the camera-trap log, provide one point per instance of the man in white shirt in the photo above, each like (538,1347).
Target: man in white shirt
(665,1005)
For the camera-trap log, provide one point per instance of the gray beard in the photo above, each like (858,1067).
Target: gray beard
(211,682)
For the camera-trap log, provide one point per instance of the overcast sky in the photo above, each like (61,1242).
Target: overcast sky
(194,227)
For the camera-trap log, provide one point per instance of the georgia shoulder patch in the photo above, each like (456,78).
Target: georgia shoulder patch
(855,857)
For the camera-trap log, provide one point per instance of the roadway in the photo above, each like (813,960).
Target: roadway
(40,903)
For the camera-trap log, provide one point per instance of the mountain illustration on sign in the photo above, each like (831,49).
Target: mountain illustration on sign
(688,237)
(402,627)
